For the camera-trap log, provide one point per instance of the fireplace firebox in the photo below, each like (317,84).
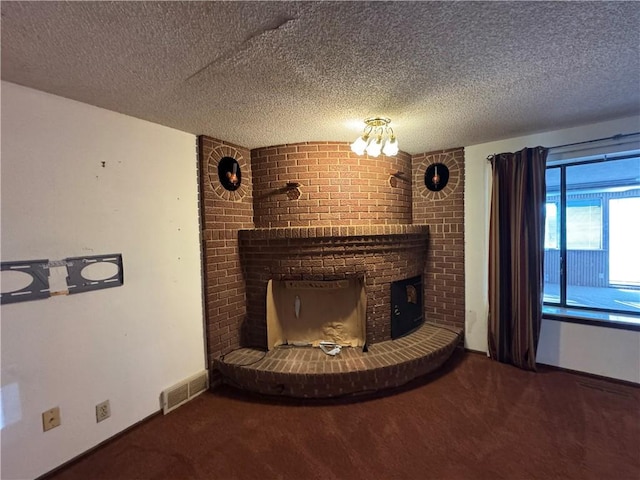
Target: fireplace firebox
(307,312)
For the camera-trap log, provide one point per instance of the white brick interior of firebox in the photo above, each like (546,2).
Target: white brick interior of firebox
(303,312)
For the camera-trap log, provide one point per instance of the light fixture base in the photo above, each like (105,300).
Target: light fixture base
(377,121)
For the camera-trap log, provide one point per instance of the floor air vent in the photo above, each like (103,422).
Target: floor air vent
(184,391)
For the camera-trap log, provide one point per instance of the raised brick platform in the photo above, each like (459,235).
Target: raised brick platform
(308,372)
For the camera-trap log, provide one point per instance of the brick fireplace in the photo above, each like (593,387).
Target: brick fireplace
(380,254)
(316,211)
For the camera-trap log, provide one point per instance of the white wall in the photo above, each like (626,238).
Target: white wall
(125,344)
(601,351)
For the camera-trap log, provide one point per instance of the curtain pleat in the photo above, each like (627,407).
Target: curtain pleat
(516,256)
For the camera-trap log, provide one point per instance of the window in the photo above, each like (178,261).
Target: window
(584,224)
(592,237)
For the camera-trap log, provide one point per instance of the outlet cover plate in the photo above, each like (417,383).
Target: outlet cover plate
(51,419)
(103,411)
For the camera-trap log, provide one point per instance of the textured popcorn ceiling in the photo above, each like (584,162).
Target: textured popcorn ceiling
(265,73)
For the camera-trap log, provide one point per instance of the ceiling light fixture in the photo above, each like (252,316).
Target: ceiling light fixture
(377,133)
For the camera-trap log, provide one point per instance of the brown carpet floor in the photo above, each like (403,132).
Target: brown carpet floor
(474,419)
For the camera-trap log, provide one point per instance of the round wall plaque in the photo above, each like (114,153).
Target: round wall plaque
(438,175)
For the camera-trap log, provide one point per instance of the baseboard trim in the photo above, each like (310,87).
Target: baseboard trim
(594,376)
(477,352)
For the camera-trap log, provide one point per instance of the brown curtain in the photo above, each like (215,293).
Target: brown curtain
(516,254)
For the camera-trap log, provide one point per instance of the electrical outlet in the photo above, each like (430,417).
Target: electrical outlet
(103,411)
(50,419)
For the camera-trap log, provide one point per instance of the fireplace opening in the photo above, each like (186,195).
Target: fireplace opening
(307,312)
(406,306)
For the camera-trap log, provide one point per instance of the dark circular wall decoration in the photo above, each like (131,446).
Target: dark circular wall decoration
(223,162)
(229,173)
(436,176)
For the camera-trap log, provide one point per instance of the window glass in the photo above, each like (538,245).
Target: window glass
(624,232)
(551,226)
(584,224)
(552,238)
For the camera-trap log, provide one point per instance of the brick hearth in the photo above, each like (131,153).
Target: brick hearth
(310,373)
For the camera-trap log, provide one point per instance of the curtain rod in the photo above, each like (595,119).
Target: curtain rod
(614,137)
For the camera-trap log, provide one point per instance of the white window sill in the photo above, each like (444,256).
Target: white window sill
(591,317)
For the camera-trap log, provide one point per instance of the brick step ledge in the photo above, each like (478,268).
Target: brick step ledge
(309,373)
